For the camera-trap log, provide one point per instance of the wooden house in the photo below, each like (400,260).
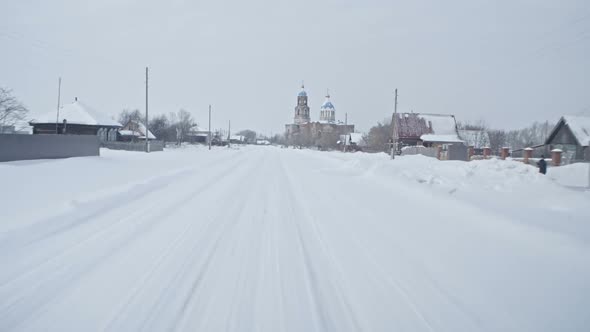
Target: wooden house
(572,136)
(134,131)
(76,118)
(197,135)
(427,129)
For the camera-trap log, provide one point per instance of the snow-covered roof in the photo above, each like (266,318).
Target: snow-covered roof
(129,133)
(237,137)
(580,127)
(197,129)
(441,138)
(139,131)
(441,124)
(77,113)
(476,138)
(414,125)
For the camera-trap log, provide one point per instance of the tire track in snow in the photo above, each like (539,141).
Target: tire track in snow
(299,209)
(185,238)
(236,217)
(167,294)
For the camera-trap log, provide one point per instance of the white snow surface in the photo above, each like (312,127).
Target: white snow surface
(573,175)
(269,239)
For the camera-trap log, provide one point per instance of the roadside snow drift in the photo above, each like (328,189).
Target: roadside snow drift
(268,239)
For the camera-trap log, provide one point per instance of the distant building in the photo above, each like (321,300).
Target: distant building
(21,127)
(197,135)
(134,131)
(572,136)
(77,119)
(325,132)
(427,129)
(262,141)
(237,139)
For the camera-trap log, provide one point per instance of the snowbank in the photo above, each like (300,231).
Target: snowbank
(574,175)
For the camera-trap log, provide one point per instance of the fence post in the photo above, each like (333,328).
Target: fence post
(556,157)
(487,152)
(504,153)
(470,152)
(528,154)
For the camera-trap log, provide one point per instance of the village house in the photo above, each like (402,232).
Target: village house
(197,135)
(571,135)
(430,130)
(76,118)
(134,131)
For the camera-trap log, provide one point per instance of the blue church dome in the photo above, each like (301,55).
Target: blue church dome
(302,93)
(327,105)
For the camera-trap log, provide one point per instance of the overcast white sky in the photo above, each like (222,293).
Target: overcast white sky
(506,62)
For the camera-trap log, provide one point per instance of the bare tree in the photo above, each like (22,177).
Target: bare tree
(497,139)
(12,111)
(185,123)
(378,137)
(127,115)
(158,126)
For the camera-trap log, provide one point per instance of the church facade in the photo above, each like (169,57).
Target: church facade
(323,133)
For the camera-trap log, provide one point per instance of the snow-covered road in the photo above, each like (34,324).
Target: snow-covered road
(269,239)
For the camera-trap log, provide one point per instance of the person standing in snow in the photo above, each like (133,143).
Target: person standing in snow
(542,165)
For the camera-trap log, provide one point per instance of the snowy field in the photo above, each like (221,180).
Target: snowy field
(269,239)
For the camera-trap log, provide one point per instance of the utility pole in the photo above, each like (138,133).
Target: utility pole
(147,129)
(58,102)
(209,127)
(394,132)
(229,134)
(345,118)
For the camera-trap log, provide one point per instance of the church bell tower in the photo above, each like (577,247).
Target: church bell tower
(302,109)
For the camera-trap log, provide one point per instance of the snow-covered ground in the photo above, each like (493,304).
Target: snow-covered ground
(269,239)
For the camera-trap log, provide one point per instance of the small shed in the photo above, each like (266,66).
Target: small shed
(197,135)
(76,118)
(572,136)
(134,131)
